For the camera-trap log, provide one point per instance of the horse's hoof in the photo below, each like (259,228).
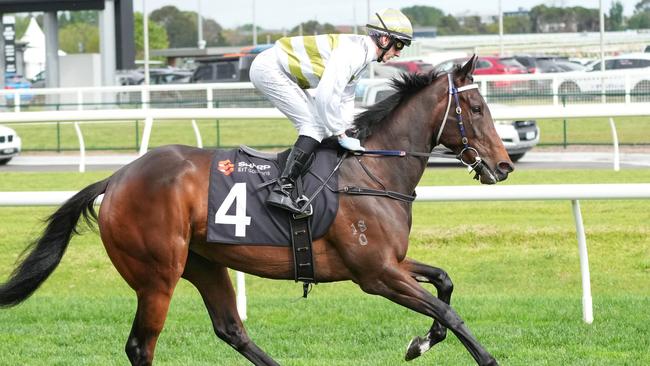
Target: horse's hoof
(414,349)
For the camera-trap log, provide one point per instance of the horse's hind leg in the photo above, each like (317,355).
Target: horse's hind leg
(214,284)
(147,325)
(440,279)
(396,284)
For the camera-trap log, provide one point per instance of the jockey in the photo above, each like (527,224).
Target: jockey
(329,66)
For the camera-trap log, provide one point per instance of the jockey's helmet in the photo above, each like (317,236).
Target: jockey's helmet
(392,23)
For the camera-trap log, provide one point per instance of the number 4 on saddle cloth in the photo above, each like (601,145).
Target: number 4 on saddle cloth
(237,213)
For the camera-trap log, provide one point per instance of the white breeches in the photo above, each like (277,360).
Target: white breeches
(297,104)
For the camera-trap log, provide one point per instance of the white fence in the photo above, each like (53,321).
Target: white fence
(573,192)
(499,112)
(619,86)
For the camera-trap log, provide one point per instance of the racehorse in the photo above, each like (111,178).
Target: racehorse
(152,221)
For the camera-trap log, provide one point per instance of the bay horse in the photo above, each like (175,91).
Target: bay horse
(152,222)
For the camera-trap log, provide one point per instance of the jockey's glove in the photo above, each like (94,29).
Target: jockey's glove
(350,143)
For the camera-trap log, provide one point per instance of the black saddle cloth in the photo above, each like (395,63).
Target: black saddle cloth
(237,213)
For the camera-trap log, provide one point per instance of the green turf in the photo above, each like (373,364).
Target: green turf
(514,265)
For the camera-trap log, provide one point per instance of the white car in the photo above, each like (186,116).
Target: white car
(630,71)
(518,136)
(10,144)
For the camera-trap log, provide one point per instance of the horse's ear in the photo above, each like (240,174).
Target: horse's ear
(468,68)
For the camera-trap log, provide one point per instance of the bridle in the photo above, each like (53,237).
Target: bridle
(477,166)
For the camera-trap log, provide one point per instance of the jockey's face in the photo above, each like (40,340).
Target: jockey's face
(392,52)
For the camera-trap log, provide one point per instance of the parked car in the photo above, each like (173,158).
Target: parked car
(15,81)
(411,66)
(492,65)
(518,137)
(232,67)
(10,144)
(622,62)
(614,80)
(547,64)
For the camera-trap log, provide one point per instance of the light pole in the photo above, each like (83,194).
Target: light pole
(201,42)
(145,24)
(500,30)
(254,26)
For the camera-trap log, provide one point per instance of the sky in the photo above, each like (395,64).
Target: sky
(278,14)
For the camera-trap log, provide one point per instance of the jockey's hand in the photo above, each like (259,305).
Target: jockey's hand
(350,143)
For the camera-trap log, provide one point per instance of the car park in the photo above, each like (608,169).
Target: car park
(493,65)
(10,144)
(518,136)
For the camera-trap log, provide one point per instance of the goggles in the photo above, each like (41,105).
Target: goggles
(399,44)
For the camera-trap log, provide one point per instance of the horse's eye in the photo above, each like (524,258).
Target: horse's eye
(476,109)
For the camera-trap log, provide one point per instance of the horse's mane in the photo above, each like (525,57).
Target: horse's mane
(405,86)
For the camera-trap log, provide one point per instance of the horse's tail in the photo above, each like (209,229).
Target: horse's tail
(44,254)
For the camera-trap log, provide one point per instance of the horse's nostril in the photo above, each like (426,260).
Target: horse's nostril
(505,167)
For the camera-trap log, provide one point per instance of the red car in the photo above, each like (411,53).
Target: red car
(493,65)
(411,66)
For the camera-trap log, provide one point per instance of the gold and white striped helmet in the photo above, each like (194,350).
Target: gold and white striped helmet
(394,23)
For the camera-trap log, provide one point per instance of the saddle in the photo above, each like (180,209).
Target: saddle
(240,181)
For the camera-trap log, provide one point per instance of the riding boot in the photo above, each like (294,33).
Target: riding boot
(280,196)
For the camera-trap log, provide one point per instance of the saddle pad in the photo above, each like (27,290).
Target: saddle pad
(237,213)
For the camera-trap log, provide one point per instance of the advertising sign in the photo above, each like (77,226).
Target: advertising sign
(9,35)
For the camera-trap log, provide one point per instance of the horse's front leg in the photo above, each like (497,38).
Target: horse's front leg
(440,279)
(396,284)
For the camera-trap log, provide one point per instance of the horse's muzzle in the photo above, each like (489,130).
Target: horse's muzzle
(502,170)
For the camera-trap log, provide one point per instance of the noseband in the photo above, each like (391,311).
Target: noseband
(478,163)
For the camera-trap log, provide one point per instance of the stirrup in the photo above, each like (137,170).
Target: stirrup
(300,201)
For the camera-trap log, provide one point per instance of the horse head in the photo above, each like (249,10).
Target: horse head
(468,130)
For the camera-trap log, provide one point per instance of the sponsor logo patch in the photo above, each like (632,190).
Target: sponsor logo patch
(262,169)
(226,167)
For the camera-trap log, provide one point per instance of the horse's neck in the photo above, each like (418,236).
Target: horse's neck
(411,130)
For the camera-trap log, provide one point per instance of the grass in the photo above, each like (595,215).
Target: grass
(514,265)
(127,135)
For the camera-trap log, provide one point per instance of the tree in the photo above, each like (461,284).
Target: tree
(449,26)
(212,33)
(313,27)
(615,19)
(21,25)
(641,17)
(157,36)
(74,17)
(516,24)
(181,26)
(640,20)
(425,16)
(79,38)
(642,6)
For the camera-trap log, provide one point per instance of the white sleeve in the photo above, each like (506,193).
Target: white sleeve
(332,97)
(347,103)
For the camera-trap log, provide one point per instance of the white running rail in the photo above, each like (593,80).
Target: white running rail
(572,192)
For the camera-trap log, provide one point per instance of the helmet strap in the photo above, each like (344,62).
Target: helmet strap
(391,40)
(384,49)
